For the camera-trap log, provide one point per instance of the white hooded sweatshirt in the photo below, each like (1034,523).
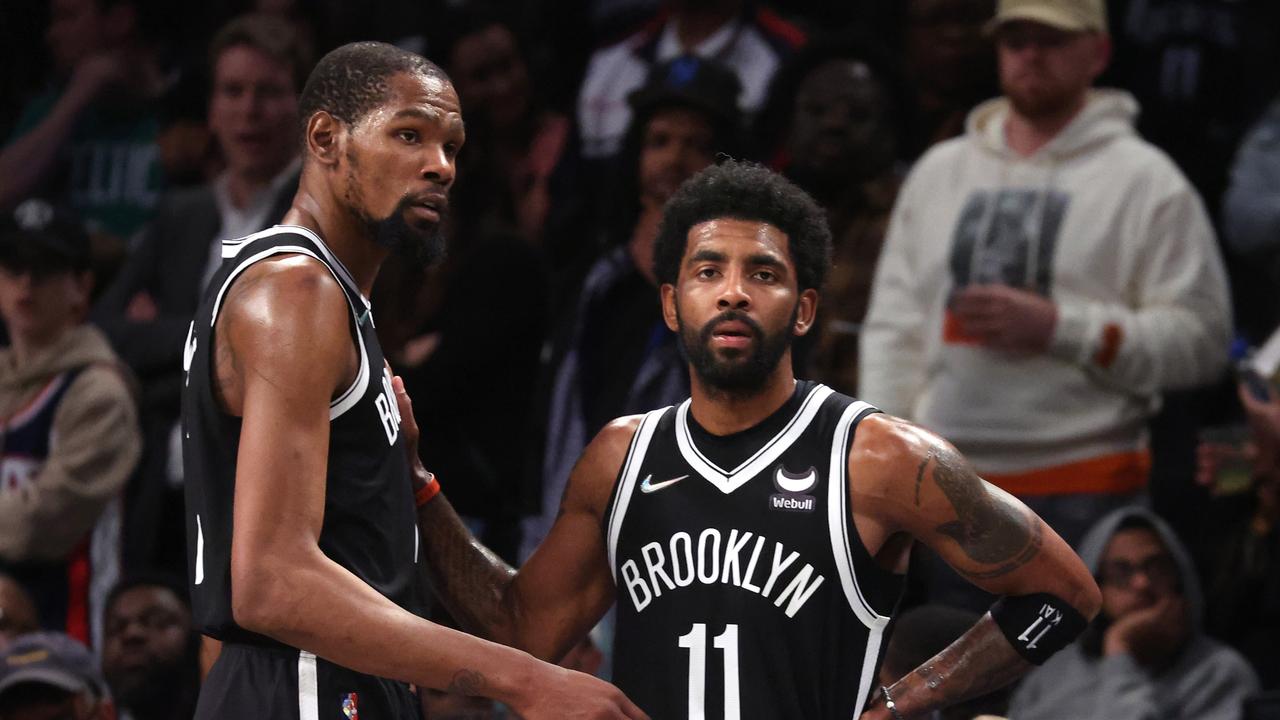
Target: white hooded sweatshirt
(1098,220)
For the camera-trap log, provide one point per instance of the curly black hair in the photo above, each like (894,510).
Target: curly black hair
(352,80)
(745,191)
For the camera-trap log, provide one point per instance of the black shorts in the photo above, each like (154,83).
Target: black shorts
(248,682)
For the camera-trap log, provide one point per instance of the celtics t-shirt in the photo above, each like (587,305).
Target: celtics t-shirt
(109,170)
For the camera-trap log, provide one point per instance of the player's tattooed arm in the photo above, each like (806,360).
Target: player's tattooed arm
(994,531)
(559,592)
(907,480)
(981,661)
(469,578)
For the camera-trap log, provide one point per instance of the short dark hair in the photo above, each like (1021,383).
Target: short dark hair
(148,577)
(745,191)
(270,35)
(352,80)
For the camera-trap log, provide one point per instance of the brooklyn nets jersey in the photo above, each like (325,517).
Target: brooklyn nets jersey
(369,520)
(744,590)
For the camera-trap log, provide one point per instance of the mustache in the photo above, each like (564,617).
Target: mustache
(730,316)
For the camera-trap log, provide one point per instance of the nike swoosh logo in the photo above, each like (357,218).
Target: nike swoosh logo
(795,484)
(647,485)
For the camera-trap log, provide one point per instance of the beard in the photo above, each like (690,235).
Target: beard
(1039,103)
(423,245)
(734,371)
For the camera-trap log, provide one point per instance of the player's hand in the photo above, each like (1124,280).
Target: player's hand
(409,429)
(1006,319)
(570,695)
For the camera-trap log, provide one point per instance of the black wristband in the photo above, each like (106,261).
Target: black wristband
(1037,625)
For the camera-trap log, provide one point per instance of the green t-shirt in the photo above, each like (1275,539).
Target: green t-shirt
(109,170)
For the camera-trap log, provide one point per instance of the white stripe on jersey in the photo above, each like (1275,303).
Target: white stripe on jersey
(627,482)
(308,687)
(355,391)
(838,516)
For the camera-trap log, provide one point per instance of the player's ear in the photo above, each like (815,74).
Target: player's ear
(668,292)
(324,138)
(806,312)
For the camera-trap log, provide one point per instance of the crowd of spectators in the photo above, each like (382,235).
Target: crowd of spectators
(1050,230)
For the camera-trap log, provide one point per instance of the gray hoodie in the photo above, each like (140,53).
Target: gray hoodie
(1208,681)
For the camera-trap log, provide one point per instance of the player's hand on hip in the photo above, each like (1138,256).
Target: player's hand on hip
(570,695)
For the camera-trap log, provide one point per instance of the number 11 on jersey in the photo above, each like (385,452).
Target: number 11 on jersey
(696,642)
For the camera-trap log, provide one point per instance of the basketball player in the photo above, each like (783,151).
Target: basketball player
(754,536)
(301,522)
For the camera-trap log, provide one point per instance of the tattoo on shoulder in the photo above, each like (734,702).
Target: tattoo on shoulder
(933,453)
(467,682)
(990,530)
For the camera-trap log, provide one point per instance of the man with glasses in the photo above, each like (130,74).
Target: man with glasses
(1145,655)
(1045,279)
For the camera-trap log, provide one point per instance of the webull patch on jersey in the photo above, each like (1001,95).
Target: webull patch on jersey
(793,490)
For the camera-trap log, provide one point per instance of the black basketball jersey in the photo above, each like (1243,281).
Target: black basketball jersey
(746,592)
(369,524)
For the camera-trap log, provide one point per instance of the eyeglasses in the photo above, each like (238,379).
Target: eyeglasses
(1160,570)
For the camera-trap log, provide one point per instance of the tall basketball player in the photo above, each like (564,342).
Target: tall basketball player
(301,525)
(754,536)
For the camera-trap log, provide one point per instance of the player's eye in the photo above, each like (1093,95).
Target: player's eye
(409,136)
(706,272)
(766,275)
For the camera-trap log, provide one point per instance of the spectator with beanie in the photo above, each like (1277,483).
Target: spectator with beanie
(1145,656)
(71,436)
(614,355)
(48,675)
(1045,278)
(150,651)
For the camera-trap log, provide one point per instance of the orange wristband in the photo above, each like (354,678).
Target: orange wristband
(424,494)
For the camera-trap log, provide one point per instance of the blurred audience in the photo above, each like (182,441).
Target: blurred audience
(149,653)
(1251,225)
(258,66)
(951,66)
(739,34)
(17,612)
(836,110)
(1045,278)
(1240,548)
(919,634)
(50,676)
(1145,655)
(508,120)
(71,436)
(1186,61)
(612,354)
(90,141)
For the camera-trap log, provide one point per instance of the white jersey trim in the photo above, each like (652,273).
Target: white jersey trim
(838,518)
(729,480)
(866,681)
(231,248)
(627,482)
(308,687)
(355,391)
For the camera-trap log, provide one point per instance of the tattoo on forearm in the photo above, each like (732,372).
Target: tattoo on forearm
(466,576)
(467,682)
(989,530)
(977,663)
